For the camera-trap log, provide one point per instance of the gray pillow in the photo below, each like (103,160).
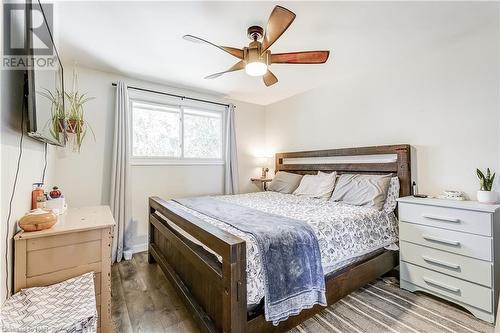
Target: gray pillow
(284,182)
(362,190)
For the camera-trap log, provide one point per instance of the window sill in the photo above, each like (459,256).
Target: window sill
(153,162)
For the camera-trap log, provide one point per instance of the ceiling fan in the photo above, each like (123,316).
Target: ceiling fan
(256,58)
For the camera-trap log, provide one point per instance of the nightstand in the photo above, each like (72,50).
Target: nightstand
(263,182)
(451,249)
(80,242)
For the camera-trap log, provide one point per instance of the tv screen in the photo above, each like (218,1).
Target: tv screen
(45,86)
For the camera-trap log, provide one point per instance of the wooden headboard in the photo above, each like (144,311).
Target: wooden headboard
(395,160)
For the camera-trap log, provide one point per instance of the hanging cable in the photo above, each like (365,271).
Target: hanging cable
(7,232)
(45,162)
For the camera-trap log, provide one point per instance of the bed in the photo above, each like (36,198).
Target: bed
(207,261)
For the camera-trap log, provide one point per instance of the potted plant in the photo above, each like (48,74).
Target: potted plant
(485,195)
(56,121)
(75,121)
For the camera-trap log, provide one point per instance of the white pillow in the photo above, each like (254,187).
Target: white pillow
(392,194)
(317,186)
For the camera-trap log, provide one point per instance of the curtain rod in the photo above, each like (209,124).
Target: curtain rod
(173,95)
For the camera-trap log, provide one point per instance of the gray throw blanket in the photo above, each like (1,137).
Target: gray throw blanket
(293,275)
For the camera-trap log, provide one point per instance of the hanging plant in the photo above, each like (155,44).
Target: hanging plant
(68,118)
(76,126)
(75,120)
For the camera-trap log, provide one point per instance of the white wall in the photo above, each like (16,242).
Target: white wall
(439,94)
(32,163)
(85,177)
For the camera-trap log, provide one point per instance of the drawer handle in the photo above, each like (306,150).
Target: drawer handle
(439,240)
(441,285)
(441,263)
(441,218)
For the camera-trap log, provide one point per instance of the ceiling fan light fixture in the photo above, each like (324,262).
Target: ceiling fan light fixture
(257,59)
(256,68)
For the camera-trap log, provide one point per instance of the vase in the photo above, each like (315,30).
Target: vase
(487,197)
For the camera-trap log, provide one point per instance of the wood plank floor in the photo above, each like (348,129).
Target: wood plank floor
(143,301)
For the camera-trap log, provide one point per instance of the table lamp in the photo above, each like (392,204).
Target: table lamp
(264,161)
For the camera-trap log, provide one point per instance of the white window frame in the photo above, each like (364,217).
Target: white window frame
(181,160)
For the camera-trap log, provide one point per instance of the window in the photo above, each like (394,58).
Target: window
(202,134)
(156,131)
(168,134)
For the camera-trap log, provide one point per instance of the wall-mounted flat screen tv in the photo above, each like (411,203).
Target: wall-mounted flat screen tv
(45,86)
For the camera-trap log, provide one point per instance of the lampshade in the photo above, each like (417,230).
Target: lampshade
(256,68)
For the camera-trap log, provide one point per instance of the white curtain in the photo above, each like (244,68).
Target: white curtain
(120,178)
(231,156)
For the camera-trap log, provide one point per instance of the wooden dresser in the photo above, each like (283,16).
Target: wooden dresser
(80,242)
(452,249)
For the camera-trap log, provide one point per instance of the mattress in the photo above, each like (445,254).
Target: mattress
(344,232)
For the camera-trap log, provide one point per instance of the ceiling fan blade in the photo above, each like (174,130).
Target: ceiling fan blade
(236,67)
(238,53)
(306,57)
(269,78)
(278,22)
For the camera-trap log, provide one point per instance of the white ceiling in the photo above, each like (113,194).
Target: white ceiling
(143,39)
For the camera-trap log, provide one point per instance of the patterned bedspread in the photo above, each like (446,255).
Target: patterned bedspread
(343,231)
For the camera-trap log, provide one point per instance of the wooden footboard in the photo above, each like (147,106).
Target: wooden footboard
(214,293)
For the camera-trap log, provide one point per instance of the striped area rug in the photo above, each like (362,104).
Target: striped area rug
(383,307)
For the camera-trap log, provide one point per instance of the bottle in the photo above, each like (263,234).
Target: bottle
(35,194)
(415,190)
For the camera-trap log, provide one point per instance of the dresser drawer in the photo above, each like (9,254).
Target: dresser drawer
(473,270)
(462,291)
(448,218)
(474,246)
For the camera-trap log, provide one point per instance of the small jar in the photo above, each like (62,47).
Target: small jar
(55,193)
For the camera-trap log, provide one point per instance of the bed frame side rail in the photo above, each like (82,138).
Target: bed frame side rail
(218,300)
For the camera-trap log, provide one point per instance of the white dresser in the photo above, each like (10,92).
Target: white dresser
(451,249)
